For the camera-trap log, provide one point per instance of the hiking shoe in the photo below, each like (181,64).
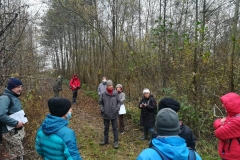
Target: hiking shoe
(115,145)
(103,143)
(121,132)
(143,138)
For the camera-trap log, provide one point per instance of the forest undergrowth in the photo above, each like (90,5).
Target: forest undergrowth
(88,126)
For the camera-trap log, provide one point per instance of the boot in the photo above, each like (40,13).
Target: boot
(103,143)
(115,145)
(145,136)
(150,135)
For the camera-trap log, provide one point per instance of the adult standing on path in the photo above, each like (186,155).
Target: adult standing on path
(102,86)
(10,104)
(122,110)
(74,85)
(110,104)
(148,108)
(57,87)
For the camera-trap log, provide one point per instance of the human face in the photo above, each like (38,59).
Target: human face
(17,90)
(66,115)
(146,95)
(110,87)
(119,89)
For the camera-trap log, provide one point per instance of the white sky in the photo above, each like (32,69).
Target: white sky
(36,6)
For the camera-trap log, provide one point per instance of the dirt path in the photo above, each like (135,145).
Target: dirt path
(88,126)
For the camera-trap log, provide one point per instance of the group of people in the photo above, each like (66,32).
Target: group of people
(172,139)
(168,137)
(74,85)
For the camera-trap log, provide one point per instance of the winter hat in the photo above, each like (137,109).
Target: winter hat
(169,103)
(58,106)
(13,83)
(145,90)
(167,122)
(109,83)
(119,86)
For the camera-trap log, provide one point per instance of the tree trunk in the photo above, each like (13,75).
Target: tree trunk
(232,48)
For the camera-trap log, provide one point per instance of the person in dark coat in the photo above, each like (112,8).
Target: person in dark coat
(109,105)
(184,131)
(57,87)
(148,108)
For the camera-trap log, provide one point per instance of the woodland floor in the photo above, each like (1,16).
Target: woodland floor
(88,126)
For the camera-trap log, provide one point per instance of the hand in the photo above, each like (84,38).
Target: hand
(19,125)
(223,120)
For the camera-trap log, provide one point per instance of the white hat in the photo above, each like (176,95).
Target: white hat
(145,90)
(119,85)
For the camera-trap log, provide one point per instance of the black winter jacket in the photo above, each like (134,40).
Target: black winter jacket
(148,113)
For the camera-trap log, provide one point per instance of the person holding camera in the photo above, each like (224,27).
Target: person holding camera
(148,108)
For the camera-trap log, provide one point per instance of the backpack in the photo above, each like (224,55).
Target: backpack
(191,155)
(9,106)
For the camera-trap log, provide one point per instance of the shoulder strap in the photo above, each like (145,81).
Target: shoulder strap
(11,101)
(163,157)
(192,155)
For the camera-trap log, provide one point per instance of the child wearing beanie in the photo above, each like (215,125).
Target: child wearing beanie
(184,131)
(55,131)
(168,145)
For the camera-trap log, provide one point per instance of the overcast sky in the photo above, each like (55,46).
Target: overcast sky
(36,6)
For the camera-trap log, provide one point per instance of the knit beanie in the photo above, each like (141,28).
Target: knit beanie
(169,103)
(109,83)
(145,90)
(13,83)
(119,86)
(167,122)
(58,106)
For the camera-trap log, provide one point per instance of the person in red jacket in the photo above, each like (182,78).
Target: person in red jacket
(74,85)
(228,128)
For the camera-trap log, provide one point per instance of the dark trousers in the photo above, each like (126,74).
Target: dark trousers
(56,94)
(121,123)
(114,127)
(75,93)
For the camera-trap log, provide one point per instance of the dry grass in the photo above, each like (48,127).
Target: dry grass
(88,126)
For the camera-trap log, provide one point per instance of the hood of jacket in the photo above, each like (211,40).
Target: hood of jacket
(174,147)
(51,124)
(231,102)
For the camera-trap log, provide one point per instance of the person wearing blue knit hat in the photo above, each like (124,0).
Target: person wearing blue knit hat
(11,104)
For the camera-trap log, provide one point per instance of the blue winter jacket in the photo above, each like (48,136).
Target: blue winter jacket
(4,109)
(173,147)
(55,140)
